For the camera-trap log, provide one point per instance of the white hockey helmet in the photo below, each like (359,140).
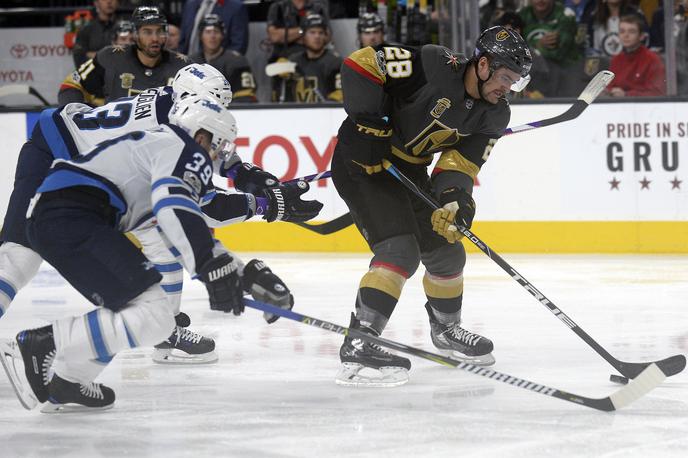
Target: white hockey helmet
(202,79)
(193,113)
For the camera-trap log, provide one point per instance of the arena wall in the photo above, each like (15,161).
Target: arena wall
(615,180)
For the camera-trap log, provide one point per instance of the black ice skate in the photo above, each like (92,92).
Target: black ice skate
(357,355)
(68,396)
(185,346)
(454,341)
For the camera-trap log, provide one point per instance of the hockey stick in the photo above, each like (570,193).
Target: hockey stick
(590,93)
(669,366)
(313,177)
(641,385)
(330,227)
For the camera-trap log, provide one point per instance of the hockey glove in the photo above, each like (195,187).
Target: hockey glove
(266,287)
(222,280)
(252,179)
(368,140)
(458,207)
(285,204)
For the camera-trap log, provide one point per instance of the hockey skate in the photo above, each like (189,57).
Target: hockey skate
(68,396)
(11,362)
(369,365)
(456,342)
(185,346)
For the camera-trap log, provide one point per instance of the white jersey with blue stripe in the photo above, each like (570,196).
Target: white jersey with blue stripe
(160,172)
(77,128)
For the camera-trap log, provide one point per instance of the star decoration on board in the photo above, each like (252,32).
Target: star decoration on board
(645,183)
(452,59)
(614,184)
(676,183)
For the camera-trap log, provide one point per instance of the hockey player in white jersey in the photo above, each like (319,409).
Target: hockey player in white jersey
(77,222)
(76,128)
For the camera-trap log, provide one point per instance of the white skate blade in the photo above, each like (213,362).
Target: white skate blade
(350,375)
(174,356)
(11,358)
(49,407)
(482,360)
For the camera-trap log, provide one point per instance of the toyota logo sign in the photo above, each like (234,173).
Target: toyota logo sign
(19,51)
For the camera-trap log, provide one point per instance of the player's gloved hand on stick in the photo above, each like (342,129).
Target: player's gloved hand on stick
(370,140)
(266,287)
(458,207)
(221,278)
(285,203)
(252,179)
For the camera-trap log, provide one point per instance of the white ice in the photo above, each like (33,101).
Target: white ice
(272,394)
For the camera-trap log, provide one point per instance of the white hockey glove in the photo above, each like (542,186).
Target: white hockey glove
(266,287)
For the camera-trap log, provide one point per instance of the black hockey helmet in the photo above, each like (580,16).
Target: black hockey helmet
(124,27)
(504,48)
(370,22)
(313,20)
(148,15)
(211,20)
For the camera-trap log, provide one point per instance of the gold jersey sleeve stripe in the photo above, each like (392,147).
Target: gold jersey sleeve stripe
(453,160)
(424,160)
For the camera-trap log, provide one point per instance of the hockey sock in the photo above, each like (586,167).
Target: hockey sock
(378,294)
(85,344)
(444,295)
(18,265)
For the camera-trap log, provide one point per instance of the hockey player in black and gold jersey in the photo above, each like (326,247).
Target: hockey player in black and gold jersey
(230,63)
(317,77)
(406,104)
(124,71)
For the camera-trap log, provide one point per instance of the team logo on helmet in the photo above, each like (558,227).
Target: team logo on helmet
(502,35)
(127,80)
(440,107)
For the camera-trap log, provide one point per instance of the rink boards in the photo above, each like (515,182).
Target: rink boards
(615,180)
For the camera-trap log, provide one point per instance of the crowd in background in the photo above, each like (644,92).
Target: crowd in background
(572,40)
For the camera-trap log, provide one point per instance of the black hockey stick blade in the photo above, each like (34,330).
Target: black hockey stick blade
(670,366)
(590,93)
(330,227)
(641,385)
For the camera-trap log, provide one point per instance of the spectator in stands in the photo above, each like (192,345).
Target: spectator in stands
(603,26)
(317,78)
(231,64)
(97,34)
(284,25)
(173,37)
(371,30)
(582,8)
(234,16)
(551,30)
(117,71)
(657,25)
(492,10)
(682,51)
(639,71)
(123,34)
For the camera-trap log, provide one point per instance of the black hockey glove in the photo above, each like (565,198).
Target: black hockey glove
(266,287)
(458,207)
(222,280)
(285,204)
(252,179)
(368,141)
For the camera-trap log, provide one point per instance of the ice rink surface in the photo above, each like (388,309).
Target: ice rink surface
(272,393)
